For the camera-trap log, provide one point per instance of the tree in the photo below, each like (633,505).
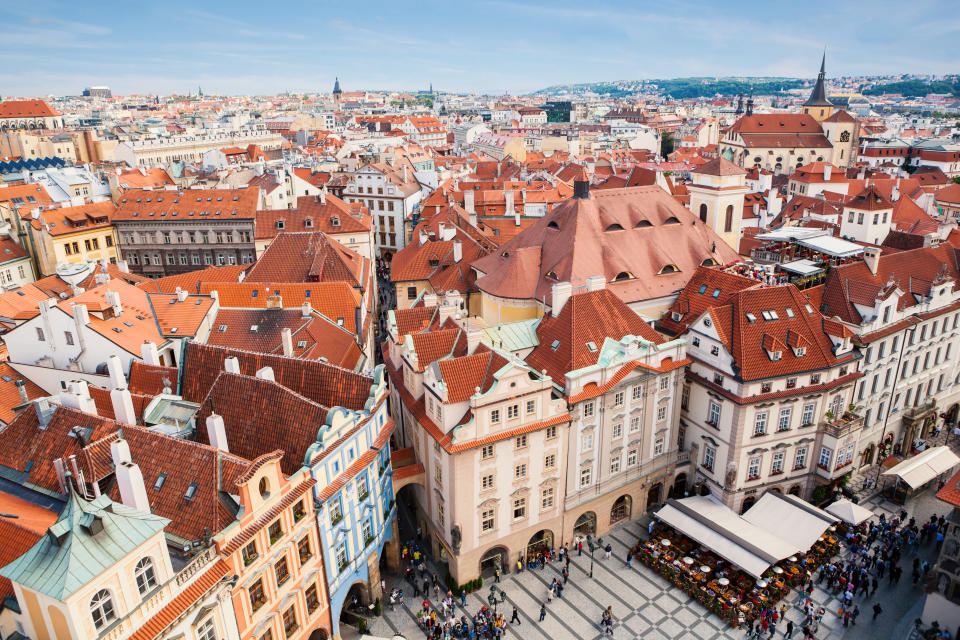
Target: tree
(956,179)
(666,144)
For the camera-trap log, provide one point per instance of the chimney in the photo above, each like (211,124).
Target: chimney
(423,237)
(231,365)
(101,278)
(323,195)
(559,293)
(827,171)
(468,204)
(123,266)
(871,257)
(149,352)
(181,295)
(115,370)
(581,186)
(457,251)
(596,283)
(404,173)
(217,432)
(508,201)
(274,301)
(122,403)
(133,492)
(266,374)
(22,388)
(286,339)
(78,397)
(473,339)
(429,300)
(306,310)
(113,299)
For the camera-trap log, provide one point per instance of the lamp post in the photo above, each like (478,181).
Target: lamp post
(492,598)
(593,545)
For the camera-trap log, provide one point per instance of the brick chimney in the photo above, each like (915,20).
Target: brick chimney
(286,339)
(133,492)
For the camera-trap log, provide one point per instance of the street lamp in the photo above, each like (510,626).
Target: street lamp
(492,598)
(593,545)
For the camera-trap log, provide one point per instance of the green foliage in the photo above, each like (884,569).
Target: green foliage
(820,494)
(362,625)
(680,88)
(915,88)
(956,179)
(666,144)
(469,586)
(377,607)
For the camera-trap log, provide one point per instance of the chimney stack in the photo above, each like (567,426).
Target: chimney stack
(115,370)
(827,171)
(306,310)
(217,432)
(266,373)
(581,185)
(508,196)
(871,257)
(231,365)
(286,339)
(133,492)
(560,293)
(473,339)
(78,397)
(457,250)
(22,388)
(468,203)
(181,295)
(150,354)
(596,283)
(113,299)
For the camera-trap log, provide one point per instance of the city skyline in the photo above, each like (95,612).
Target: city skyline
(493,46)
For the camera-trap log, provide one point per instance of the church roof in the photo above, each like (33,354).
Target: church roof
(818,97)
(87,539)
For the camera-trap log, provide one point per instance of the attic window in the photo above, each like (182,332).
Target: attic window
(433,262)
(222,328)
(552,225)
(715,294)
(789,311)
(642,223)
(623,275)
(334,221)
(671,220)
(302,344)
(769,315)
(7,379)
(253,294)
(751,318)
(308,223)
(128,323)
(592,346)
(703,288)
(254,327)
(801,351)
(808,308)
(551,275)
(614,227)
(775,355)
(159,483)
(555,345)
(191,491)
(280,225)
(670,268)
(174,329)
(709,262)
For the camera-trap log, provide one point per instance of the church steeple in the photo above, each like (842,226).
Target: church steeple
(817,104)
(739,111)
(337,92)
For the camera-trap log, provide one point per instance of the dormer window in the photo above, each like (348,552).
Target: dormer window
(334,221)
(775,355)
(800,352)
(669,268)
(592,346)
(769,315)
(623,275)
(280,225)
(308,223)
(676,315)
(614,227)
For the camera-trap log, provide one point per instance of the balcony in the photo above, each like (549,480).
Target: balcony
(843,425)
(920,411)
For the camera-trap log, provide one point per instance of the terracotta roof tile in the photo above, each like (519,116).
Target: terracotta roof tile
(182,603)
(334,300)
(17,540)
(10,393)
(708,287)
(191,281)
(26,109)
(309,257)
(213,204)
(149,379)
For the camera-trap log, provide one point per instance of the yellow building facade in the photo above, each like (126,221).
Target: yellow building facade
(70,235)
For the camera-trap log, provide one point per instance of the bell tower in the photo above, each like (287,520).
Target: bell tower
(817,104)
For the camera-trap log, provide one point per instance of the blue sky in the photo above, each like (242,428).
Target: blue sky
(259,47)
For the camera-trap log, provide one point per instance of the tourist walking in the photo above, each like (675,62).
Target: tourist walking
(877,610)
(516,616)
(543,611)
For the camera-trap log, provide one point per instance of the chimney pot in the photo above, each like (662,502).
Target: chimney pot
(286,338)
(266,373)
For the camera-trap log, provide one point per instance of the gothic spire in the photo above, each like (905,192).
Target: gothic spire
(818,97)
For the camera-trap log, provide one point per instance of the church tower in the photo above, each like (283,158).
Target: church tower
(817,104)
(716,198)
(337,93)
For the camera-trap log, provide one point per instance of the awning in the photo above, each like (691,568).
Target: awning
(850,511)
(924,467)
(836,247)
(790,518)
(722,531)
(802,267)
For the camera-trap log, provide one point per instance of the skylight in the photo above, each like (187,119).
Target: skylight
(715,294)
(191,491)
(769,314)
(254,327)
(789,311)
(751,318)
(703,288)
(555,344)
(222,328)
(592,346)
(159,483)
(808,308)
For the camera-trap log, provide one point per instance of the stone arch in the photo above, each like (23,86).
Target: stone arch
(585,524)
(795,490)
(728,219)
(496,557)
(679,488)
(621,509)
(747,503)
(540,541)
(776,490)
(703,212)
(653,495)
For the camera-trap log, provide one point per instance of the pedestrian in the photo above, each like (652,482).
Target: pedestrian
(463,598)
(609,548)
(877,610)
(789,631)
(773,629)
(629,558)
(580,548)
(496,575)
(853,616)
(516,616)
(543,611)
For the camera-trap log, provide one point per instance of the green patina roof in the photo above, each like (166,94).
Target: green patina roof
(512,336)
(87,539)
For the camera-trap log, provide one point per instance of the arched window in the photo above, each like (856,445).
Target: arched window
(670,268)
(623,275)
(552,225)
(614,227)
(703,212)
(673,220)
(709,262)
(101,608)
(146,577)
(728,219)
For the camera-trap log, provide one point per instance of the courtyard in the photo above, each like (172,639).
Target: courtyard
(647,606)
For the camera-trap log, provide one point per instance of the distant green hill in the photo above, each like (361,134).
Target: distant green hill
(680,88)
(915,88)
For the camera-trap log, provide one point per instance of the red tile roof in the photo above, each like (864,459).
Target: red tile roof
(10,394)
(464,375)
(951,490)
(334,300)
(334,216)
(191,280)
(182,603)
(17,540)
(149,379)
(309,257)
(720,167)
(177,207)
(441,343)
(870,199)
(708,287)
(26,109)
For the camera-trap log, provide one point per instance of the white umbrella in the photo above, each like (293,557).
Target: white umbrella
(849,512)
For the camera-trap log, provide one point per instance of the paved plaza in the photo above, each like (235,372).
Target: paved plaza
(647,606)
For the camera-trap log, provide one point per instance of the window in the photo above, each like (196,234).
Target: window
(585,477)
(709,455)
(753,469)
(281,571)
(313,601)
(257,597)
(777,465)
(546,499)
(615,464)
(760,424)
(714,350)
(696,342)
(304,552)
(825,455)
(551,432)
(550,461)
(587,442)
(531,407)
(495,416)
(521,441)
(486,482)
(145,575)
(815,378)
(784,423)
(513,411)
(487,520)
(587,409)
(520,471)
(631,458)
(486,452)
(658,446)
(685,397)
(634,423)
(800,458)
(68,337)
(299,511)
(661,413)
(366,531)
(713,414)
(411,293)
(275,531)
(664,383)
(637,392)
(717,378)
(807,416)
(342,556)
(618,399)
(362,489)
(290,620)
(101,608)
(336,512)
(617,429)
(249,553)
(765,387)
(438,473)
(519,508)
(207,630)
(791,383)
(40,334)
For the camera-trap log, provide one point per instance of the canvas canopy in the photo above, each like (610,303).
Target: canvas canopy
(849,511)
(790,518)
(722,531)
(924,467)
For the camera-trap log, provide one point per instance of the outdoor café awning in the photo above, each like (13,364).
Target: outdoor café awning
(802,267)
(819,240)
(924,467)
(723,532)
(849,511)
(790,518)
